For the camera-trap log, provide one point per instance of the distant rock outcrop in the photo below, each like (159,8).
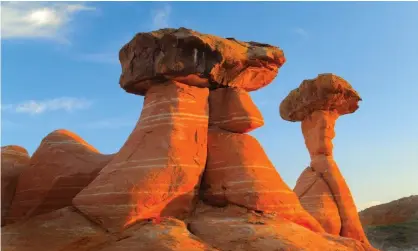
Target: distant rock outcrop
(321,188)
(397,211)
(61,167)
(14,159)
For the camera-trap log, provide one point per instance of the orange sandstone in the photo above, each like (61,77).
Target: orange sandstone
(157,171)
(14,159)
(60,168)
(232,109)
(239,172)
(318,103)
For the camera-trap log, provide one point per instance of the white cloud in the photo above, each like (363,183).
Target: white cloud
(37,19)
(301,32)
(37,107)
(161,17)
(111,123)
(369,204)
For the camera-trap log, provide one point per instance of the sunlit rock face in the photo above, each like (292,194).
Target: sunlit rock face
(157,171)
(318,103)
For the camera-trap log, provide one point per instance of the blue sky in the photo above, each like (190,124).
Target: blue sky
(60,69)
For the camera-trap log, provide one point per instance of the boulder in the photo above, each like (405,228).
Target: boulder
(14,159)
(326,92)
(61,167)
(157,172)
(233,110)
(239,172)
(196,59)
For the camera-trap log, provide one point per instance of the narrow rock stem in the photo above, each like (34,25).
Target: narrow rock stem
(318,131)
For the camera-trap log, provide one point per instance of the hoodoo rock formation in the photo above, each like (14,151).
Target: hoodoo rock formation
(60,168)
(321,187)
(188,177)
(14,159)
(164,158)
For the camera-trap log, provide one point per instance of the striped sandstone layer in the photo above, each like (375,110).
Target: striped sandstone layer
(233,110)
(239,172)
(61,167)
(318,103)
(316,197)
(239,229)
(196,59)
(157,171)
(14,159)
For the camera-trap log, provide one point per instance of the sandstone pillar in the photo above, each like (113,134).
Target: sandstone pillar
(157,172)
(318,103)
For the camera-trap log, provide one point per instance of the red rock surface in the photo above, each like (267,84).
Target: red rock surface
(236,228)
(167,235)
(157,171)
(318,103)
(233,110)
(316,197)
(196,59)
(239,172)
(61,167)
(14,159)
(397,211)
(61,230)
(326,92)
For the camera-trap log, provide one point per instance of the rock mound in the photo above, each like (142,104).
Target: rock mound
(14,159)
(61,167)
(397,211)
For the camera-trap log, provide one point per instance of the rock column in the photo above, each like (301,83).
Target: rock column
(238,170)
(321,187)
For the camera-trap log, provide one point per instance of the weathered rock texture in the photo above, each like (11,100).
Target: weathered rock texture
(60,168)
(196,59)
(232,109)
(236,228)
(315,195)
(61,230)
(239,172)
(14,159)
(318,103)
(157,171)
(326,92)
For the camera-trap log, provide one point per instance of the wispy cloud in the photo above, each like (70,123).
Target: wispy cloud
(110,123)
(37,107)
(301,32)
(37,19)
(161,17)
(369,204)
